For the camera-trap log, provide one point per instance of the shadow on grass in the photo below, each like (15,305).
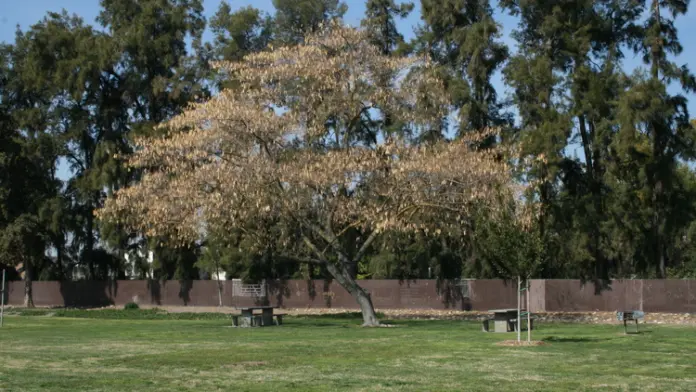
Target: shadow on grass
(342,316)
(346,320)
(634,333)
(319,324)
(557,339)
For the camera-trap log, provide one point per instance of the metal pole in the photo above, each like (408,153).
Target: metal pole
(2,298)
(519,303)
(529,315)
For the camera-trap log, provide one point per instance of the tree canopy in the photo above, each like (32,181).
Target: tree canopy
(288,145)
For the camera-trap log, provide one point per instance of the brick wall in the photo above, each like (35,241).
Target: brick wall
(546,295)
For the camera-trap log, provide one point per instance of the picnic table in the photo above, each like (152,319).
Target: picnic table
(502,320)
(247,317)
(630,315)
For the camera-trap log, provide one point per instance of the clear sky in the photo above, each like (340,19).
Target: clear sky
(27,12)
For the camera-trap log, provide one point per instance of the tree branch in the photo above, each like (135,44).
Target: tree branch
(366,245)
(69,154)
(312,247)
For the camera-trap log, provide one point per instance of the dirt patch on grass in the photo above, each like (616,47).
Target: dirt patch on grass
(523,343)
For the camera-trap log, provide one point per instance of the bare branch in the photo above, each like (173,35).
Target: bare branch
(365,246)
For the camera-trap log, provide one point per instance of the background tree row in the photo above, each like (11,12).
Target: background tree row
(611,151)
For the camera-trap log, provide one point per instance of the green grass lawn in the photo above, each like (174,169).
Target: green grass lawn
(324,354)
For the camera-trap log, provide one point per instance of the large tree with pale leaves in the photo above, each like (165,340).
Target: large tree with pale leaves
(290,145)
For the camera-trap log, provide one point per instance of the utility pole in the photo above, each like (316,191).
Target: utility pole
(529,315)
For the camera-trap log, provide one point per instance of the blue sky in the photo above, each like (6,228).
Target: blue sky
(27,12)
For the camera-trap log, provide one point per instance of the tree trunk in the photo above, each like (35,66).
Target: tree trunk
(59,259)
(351,263)
(89,244)
(656,45)
(660,270)
(341,272)
(353,269)
(28,294)
(366,307)
(587,149)
(219,282)
(362,297)
(658,204)
(657,48)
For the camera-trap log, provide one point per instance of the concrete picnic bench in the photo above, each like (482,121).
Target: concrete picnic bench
(247,317)
(505,320)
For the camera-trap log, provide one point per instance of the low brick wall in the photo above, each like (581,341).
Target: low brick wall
(674,296)
(650,295)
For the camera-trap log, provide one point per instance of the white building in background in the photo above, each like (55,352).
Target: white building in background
(220,275)
(132,269)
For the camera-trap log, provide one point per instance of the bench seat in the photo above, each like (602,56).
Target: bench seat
(512,324)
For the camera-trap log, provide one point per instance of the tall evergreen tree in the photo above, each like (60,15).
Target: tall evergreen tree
(159,78)
(592,37)
(27,163)
(465,39)
(76,67)
(150,37)
(654,136)
(295,18)
(238,33)
(537,93)
(663,116)
(380,22)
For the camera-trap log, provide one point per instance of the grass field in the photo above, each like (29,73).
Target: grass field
(325,354)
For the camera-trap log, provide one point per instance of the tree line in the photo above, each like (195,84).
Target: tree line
(81,95)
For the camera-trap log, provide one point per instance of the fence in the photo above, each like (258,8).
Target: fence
(677,296)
